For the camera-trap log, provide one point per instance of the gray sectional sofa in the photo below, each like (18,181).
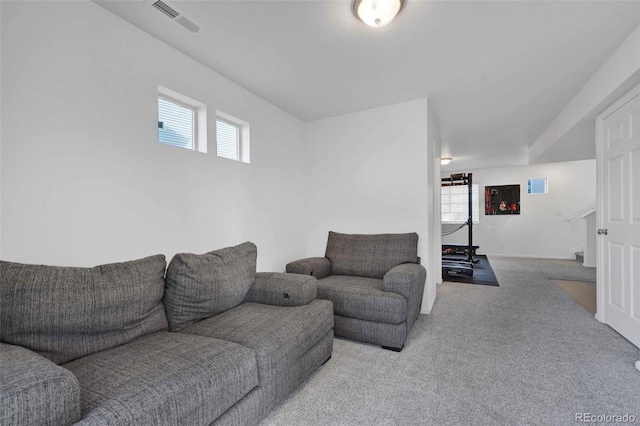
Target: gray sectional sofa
(375,283)
(209,342)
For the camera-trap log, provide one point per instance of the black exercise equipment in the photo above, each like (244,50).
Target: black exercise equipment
(450,268)
(461,249)
(458,259)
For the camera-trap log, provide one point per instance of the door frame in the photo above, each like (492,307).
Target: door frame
(600,287)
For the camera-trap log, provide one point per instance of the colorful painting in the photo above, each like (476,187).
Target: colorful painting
(503,199)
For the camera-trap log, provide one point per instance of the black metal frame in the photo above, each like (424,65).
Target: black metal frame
(456,265)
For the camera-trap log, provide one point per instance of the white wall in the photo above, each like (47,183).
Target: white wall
(615,77)
(369,173)
(435,234)
(84,179)
(542,229)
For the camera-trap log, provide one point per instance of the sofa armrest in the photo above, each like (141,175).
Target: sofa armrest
(318,267)
(407,279)
(35,391)
(280,289)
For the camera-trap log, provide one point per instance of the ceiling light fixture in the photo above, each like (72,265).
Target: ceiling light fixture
(377,13)
(444,161)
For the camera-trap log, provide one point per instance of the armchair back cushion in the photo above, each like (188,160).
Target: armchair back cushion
(201,286)
(66,313)
(370,255)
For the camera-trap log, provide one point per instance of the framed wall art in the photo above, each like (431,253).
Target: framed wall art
(502,200)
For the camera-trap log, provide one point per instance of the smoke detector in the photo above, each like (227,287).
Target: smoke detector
(173,13)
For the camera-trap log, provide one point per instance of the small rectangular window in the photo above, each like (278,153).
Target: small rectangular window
(228,140)
(232,138)
(182,121)
(537,186)
(175,124)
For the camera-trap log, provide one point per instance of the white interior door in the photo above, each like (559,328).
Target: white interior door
(618,157)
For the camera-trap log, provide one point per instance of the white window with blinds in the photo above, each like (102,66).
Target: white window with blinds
(182,121)
(228,140)
(232,138)
(176,124)
(537,186)
(455,203)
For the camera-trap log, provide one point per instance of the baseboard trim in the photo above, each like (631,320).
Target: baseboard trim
(526,256)
(429,306)
(638,365)
(577,249)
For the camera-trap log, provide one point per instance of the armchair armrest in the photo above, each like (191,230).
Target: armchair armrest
(280,289)
(407,279)
(318,267)
(35,391)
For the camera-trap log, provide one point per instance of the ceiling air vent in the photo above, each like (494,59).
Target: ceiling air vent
(187,23)
(175,15)
(166,9)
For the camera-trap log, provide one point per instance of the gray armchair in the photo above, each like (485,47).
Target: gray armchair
(375,283)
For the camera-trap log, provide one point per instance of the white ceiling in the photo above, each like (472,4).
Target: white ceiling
(496,72)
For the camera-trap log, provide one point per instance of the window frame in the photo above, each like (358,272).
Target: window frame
(238,138)
(475,186)
(199,117)
(243,141)
(546,186)
(194,119)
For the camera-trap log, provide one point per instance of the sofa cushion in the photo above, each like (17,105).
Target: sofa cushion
(370,255)
(278,335)
(35,391)
(363,298)
(164,379)
(251,409)
(200,286)
(66,313)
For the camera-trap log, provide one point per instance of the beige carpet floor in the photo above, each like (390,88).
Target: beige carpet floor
(583,292)
(524,353)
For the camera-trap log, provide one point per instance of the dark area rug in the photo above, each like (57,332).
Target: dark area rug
(482,274)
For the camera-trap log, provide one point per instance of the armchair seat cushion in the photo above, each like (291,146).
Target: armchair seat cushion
(278,335)
(363,298)
(164,379)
